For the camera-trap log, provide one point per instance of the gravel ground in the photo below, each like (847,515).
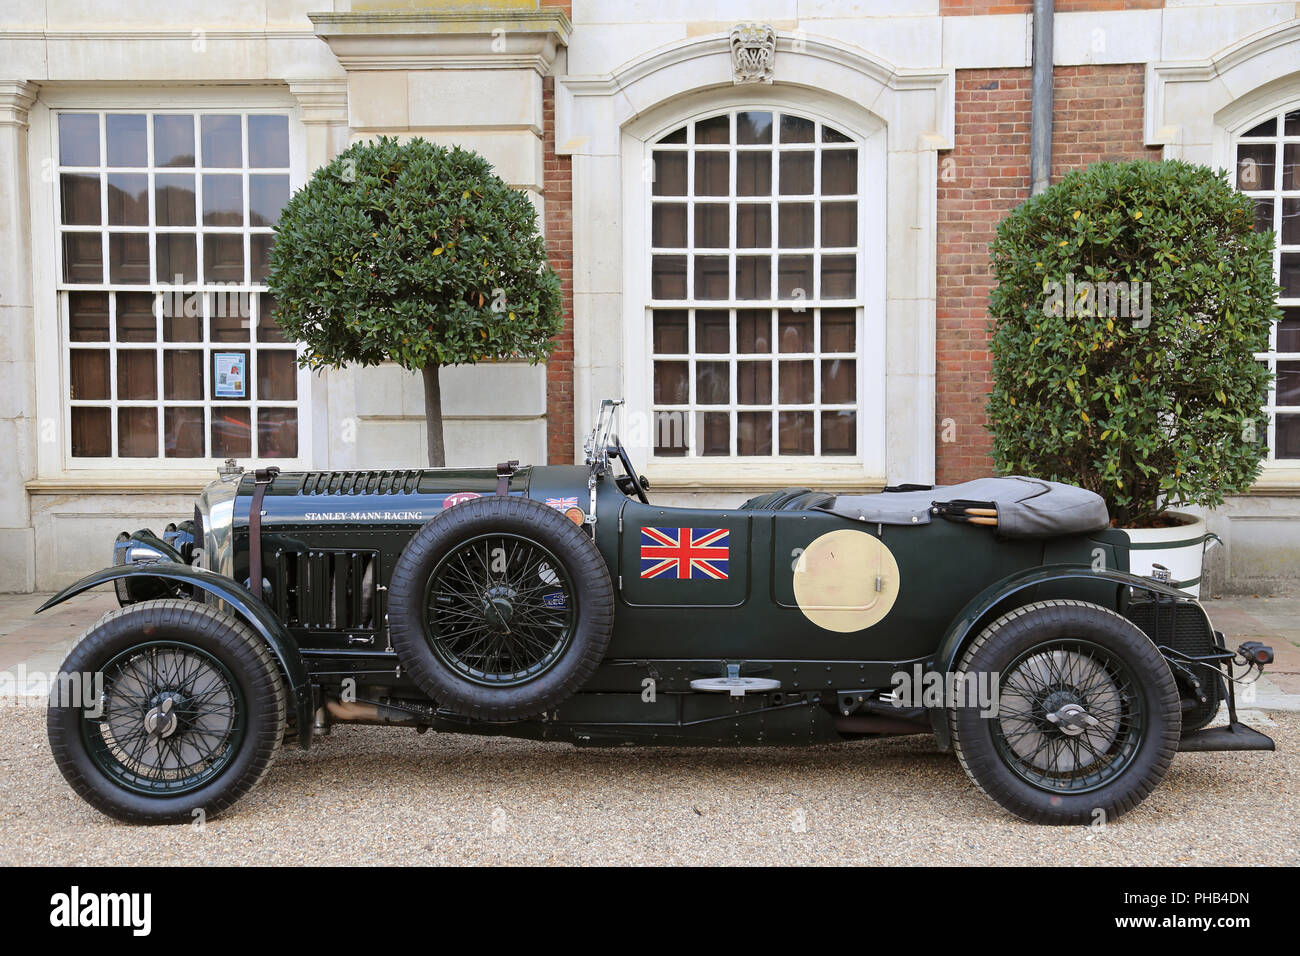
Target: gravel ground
(368,795)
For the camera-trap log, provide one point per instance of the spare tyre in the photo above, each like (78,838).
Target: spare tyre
(500,608)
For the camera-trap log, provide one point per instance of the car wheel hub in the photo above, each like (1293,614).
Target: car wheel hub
(162,719)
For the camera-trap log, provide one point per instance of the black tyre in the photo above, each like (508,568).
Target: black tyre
(500,608)
(1087,720)
(165,708)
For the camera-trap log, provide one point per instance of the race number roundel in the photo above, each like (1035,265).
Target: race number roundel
(846,581)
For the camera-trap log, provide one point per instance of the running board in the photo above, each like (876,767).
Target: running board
(1234,736)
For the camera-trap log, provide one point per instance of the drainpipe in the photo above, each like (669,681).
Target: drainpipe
(1040,130)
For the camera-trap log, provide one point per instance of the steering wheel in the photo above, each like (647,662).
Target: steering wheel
(629,483)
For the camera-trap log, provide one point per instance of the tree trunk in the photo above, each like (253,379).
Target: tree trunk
(433,417)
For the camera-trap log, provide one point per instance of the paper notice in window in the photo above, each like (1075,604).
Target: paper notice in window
(229,374)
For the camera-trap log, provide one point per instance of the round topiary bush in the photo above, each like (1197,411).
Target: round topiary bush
(416,254)
(1130,301)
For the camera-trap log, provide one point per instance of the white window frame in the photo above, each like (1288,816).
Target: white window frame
(1277,141)
(54,458)
(868,466)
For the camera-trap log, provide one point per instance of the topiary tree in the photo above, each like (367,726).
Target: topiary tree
(416,254)
(1130,301)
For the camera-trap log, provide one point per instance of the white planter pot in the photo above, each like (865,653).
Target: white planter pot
(1179,548)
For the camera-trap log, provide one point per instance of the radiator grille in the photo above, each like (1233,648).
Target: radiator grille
(360,482)
(1180,625)
(326,590)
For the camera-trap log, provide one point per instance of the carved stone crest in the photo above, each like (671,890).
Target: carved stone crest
(753,52)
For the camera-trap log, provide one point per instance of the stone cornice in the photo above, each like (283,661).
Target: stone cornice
(322,101)
(489,39)
(16,98)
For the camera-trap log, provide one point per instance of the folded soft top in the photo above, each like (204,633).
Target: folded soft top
(1026,507)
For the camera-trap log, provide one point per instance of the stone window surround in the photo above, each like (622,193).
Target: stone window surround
(604,122)
(1197,109)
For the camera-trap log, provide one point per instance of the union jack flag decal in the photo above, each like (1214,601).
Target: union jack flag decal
(685,553)
(560,504)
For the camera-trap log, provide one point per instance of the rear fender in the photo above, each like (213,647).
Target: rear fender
(980,611)
(241,601)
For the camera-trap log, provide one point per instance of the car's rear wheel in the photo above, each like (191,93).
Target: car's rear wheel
(165,711)
(500,608)
(1087,715)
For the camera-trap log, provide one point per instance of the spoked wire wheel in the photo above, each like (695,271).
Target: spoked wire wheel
(171,719)
(1069,716)
(499,609)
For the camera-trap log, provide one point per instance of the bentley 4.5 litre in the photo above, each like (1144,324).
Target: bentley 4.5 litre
(559,603)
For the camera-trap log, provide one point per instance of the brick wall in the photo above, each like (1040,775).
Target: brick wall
(1098,117)
(557,193)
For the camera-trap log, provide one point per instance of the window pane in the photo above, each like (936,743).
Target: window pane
(839,382)
(79,139)
(135,317)
(711,226)
(753,277)
(839,277)
(712,332)
(82,257)
(231,435)
(670,333)
(1263,215)
(672,386)
(128,199)
(92,433)
(1255,166)
(839,432)
(795,226)
(754,383)
(711,274)
(796,174)
(88,316)
(676,136)
(712,174)
(795,383)
(1290,221)
(796,129)
(80,199)
(754,331)
(128,257)
(268,330)
(1291,166)
(137,433)
(753,226)
(137,375)
(259,256)
(753,128)
(670,433)
(712,131)
(268,142)
(753,433)
(223,257)
(715,433)
(839,330)
(173,199)
(266,197)
(182,374)
(228,375)
(89,374)
(223,141)
(173,140)
(177,258)
(277,432)
(839,224)
(840,172)
(668,277)
(796,433)
(185,323)
(1292,123)
(1288,383)
(276,376)
(228,321)
(834,136)
(127,139)
(1290,275)
(183,432)
(669,174)
(1266,128)
(712,383)
(1288,330)
(223,200)
(668,226)
(754,174)
(795,331)
(1288,436)
(794,277)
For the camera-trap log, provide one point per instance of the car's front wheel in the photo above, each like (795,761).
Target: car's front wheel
(166,711)
(1085,719)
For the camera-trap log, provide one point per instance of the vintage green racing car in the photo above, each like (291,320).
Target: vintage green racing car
(559,603)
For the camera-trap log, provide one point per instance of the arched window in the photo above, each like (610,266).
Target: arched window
(1268,170)
(756,289)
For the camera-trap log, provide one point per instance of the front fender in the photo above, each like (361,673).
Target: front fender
(242,601)
(974,615)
